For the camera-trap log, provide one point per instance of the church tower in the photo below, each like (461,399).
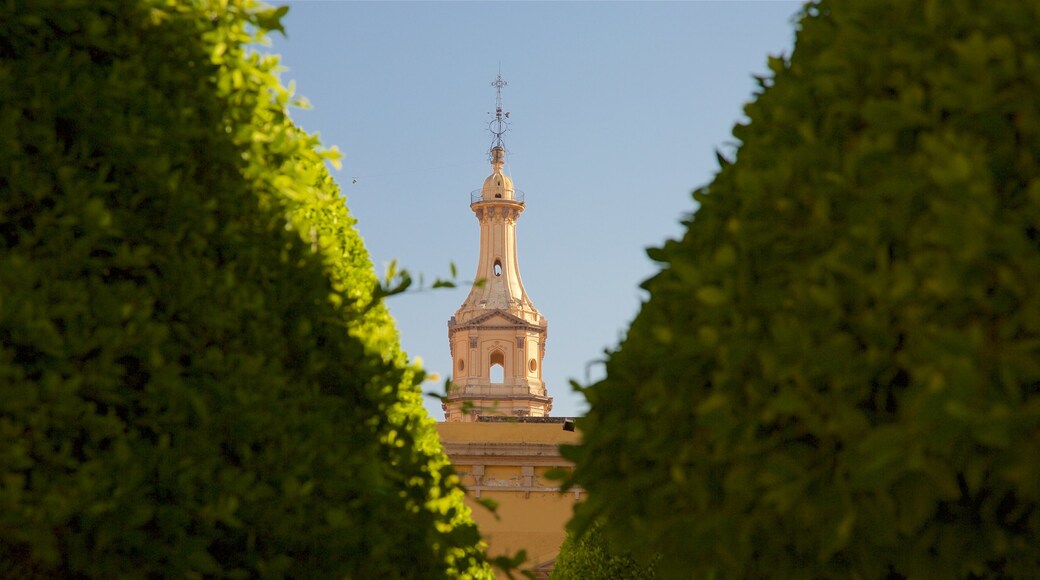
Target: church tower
(497,336)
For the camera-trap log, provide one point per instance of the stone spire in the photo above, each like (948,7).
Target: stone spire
(497,336)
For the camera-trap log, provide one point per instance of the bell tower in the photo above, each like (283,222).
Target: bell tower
(497,336)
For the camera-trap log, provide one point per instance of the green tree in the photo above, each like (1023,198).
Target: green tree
(837,371)
(590,557)
(196,376)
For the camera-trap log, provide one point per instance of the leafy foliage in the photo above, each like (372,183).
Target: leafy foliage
(197,379)
(590,557)
(837,372)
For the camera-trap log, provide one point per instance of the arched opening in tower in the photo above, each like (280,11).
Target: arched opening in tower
(497,370)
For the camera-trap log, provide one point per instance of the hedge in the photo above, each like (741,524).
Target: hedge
(837,370)
(196,376)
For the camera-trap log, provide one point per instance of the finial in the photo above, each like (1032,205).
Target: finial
(498,154)
(500,124)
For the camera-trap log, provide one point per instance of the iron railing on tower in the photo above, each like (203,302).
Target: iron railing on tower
(476,196)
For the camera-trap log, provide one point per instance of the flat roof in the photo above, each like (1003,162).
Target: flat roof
(507,432)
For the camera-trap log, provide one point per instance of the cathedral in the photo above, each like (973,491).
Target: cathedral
(497,429)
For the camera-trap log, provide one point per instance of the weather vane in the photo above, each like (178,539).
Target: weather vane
(500,124)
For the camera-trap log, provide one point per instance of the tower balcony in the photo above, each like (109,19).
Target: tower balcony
(476,196)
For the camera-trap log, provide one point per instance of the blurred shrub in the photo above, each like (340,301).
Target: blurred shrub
(590,557)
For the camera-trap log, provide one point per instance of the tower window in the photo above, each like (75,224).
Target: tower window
(498,267)
(462,365)
(532,365)
(498,374)
(497,370)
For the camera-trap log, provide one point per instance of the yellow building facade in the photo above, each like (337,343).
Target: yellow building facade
(497,429)
(506,462)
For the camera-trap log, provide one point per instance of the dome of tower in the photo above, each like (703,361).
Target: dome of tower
(498,185)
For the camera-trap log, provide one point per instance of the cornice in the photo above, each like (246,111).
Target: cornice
(513,321)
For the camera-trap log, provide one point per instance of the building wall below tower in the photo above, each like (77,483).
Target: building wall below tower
(507,462)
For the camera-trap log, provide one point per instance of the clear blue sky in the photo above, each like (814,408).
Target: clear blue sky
(617,109)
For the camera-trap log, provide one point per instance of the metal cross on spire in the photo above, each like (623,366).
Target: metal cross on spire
(500,124)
